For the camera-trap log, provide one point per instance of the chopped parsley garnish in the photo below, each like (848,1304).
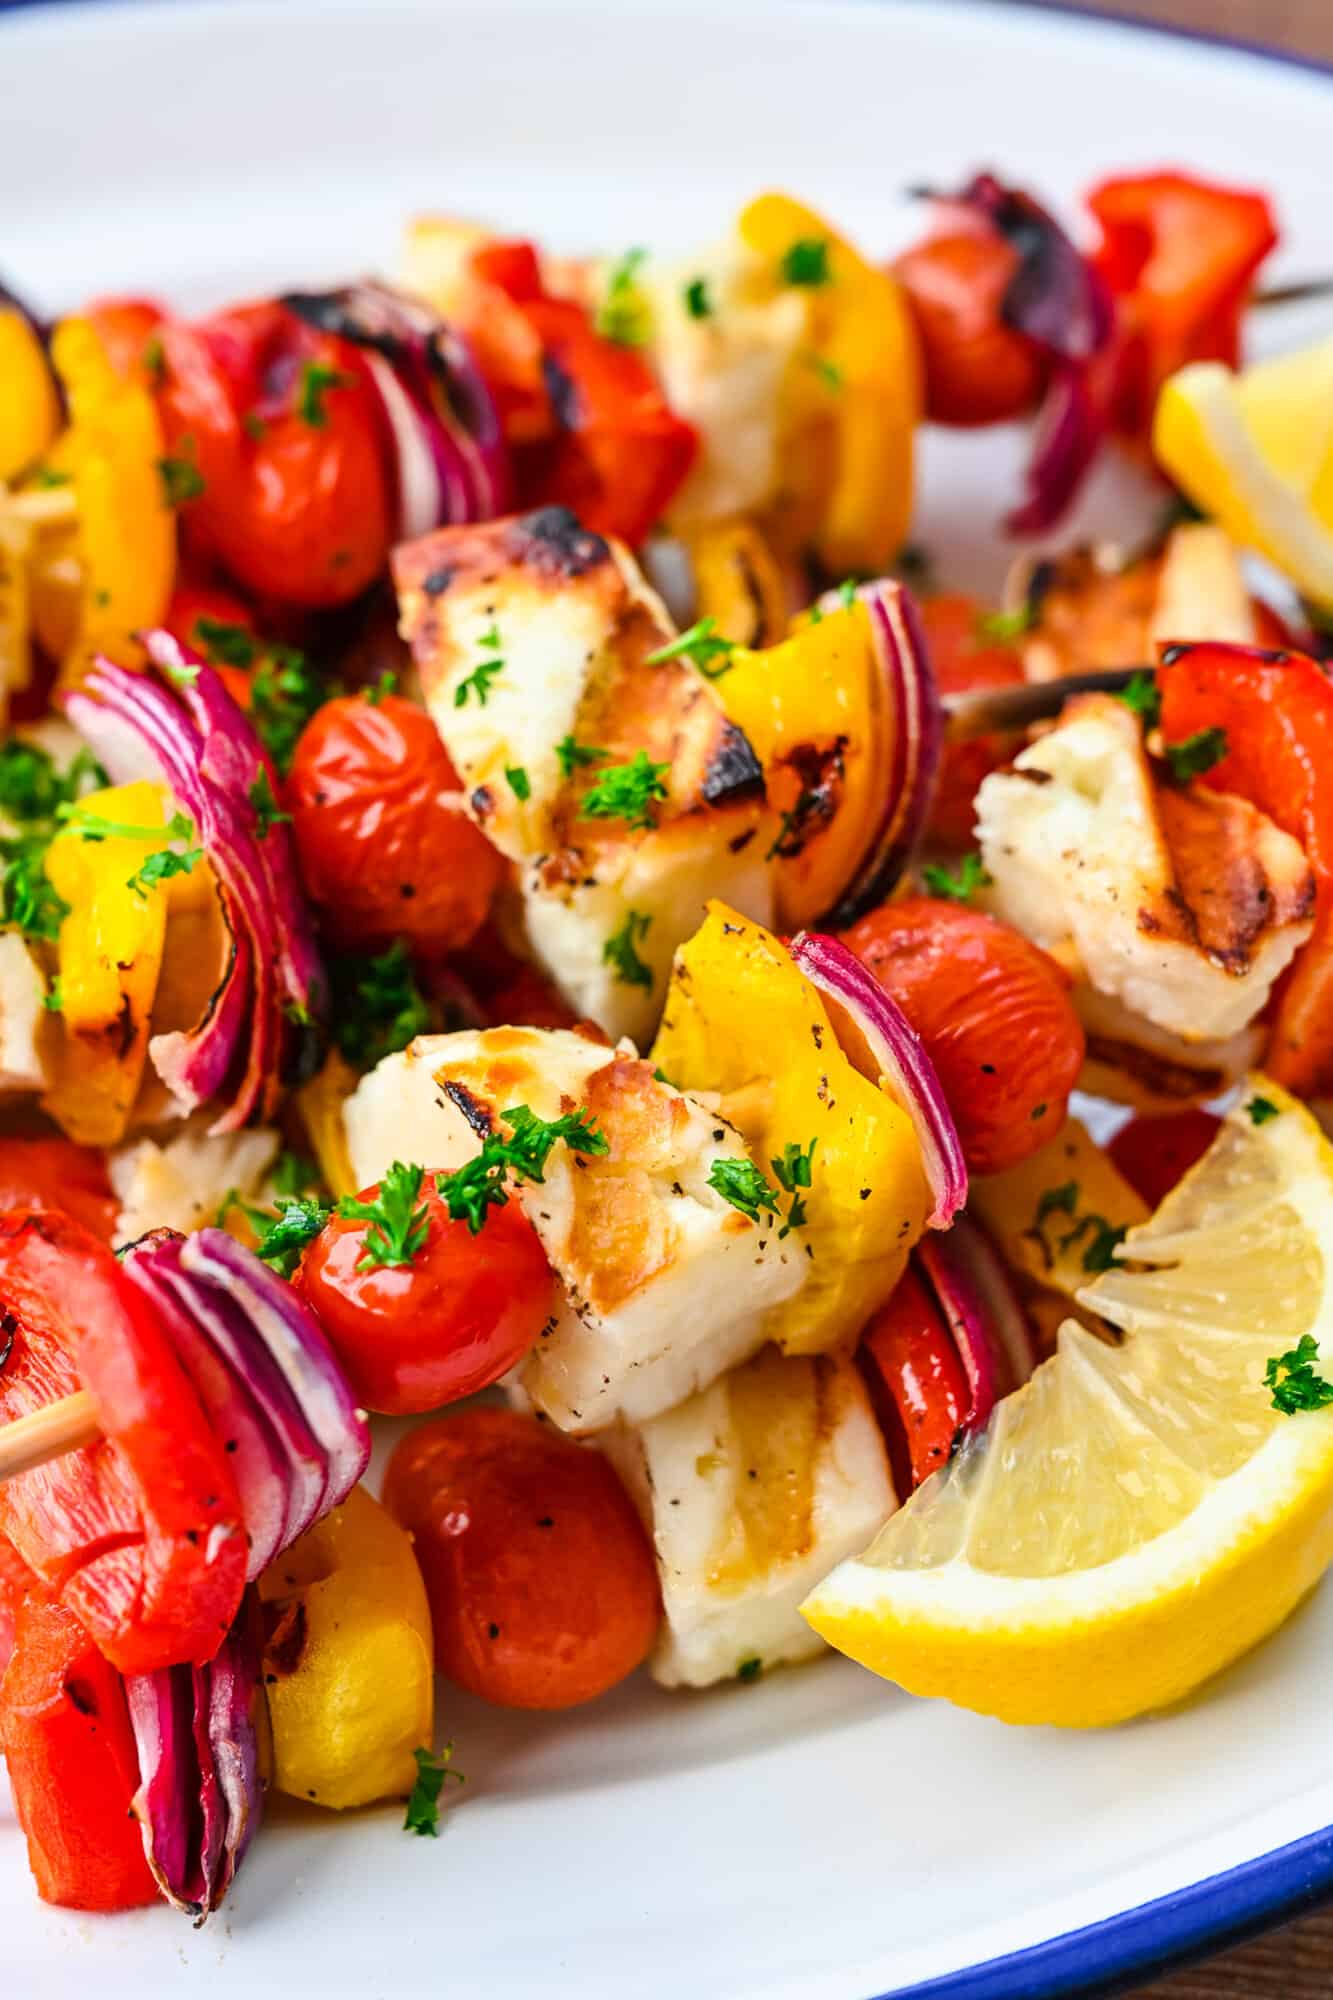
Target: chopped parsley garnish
(520,784)
(960,888)
(847,590)
(471,1190)
(574,756)
(698,304)
(283,1241)
(160,867)
(702,646)
(1100,1238)
(623,315)
(1141,694)
(805,262)
(28,901)
(31,788)
(791,835)
(1261,1109)
(181,480)
(386,684)
(399,1220)
(285,691)
(828,371)
(267,811)
(227,645)
(423,1805)
(316,381)
(1197,754)
(378,1006)
(749,1670)
(741,1183)
(626,791)
(1001,628)
(181,673)
(295,1174)
(259,1219)
(46,477)
(1056,1200)
(1294,1381)
(89,825)
(619,950)
(793,1173)
(54,998)
(478,682)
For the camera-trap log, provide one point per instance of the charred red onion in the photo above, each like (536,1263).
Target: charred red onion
(878,1040)
(448,444)
(261,1028)
(266,1376)
(1060,303)
(200,1798)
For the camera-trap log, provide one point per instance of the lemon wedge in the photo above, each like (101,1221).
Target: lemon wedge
(1137,1515)
(1255,452)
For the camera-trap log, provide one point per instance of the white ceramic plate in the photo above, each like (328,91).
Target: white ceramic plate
(818,1834)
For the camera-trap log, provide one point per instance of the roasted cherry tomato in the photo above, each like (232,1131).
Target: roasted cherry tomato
(978,370)
(615,452)
(127,329)
(284,465)
(993,1013)
(1154,1153)
(541,1579)
(455,1319)
(1276,711)
(964,657)
(55,1173)
(916,1382)
(385,846)
(138,1534)
(73,1766)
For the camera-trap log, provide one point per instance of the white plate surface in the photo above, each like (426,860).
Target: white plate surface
(819,1834)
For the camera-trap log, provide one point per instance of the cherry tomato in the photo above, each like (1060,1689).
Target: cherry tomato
(963,658)
(916,1382)
(55,1173)
(126,329)
(541,1578)
(993,1014)
(978,370)
(283,428)
(1154,1153)
(385,846)
(412,1337)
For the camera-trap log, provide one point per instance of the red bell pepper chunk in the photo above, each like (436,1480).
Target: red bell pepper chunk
(73,1766)
(1179,254)
(614,451)
(1277,712)
(916,1382)
(139,1534)
(16,1580)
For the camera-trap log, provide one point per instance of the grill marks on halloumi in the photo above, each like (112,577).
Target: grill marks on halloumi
(574,621)
(1181,903)
(666,1285)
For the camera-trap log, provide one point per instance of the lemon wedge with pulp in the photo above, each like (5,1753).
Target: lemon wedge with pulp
(1139,1514)
(1255,452)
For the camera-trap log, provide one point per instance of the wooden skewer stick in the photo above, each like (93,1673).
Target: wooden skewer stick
(48,1433)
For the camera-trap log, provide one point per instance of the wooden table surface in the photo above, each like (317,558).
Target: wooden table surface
(1296,1962)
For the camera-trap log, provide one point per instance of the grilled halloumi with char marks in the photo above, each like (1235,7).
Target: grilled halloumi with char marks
(573,621)
(665,1283)
(752,1492)
(1182,903)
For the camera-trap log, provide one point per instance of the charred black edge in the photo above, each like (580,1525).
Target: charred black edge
(1268,655)
(734,773)
(332,312)
(472,1109)
(554,541)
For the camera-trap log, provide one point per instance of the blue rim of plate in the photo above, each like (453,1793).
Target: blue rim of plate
(1224,1909)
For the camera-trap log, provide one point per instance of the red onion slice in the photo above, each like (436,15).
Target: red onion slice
(199,1797)
(878,1040)
(421,504)
(970,1250)
(965,1314)
(261,1027)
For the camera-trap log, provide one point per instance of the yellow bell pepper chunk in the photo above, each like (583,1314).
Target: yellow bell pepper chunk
(815,712)
(126,542)
(853,399)
(320,1104)
(109,956)
(349,1664)
(740,1019)
(29,407)
(1043,1213)
(738,582)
